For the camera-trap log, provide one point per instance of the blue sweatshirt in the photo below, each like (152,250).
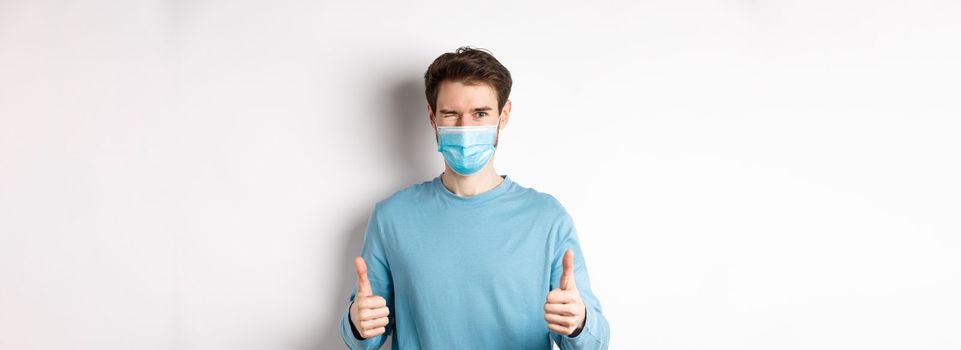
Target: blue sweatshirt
(472,272)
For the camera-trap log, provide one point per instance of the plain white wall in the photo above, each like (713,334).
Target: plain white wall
(743,174)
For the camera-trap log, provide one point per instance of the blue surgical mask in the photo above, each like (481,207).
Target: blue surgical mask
(466,149)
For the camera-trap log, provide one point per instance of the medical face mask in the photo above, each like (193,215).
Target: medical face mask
(466,149)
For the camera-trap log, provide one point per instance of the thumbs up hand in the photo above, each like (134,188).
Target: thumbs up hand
(564,311)
(369,312)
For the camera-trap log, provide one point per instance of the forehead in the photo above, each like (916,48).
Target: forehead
(455,94)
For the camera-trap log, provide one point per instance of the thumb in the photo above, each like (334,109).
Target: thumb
(567,277)
(363,284)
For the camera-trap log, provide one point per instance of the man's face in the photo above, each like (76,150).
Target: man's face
(464,105)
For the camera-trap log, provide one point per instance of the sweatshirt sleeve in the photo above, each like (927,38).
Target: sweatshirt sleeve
(596,332)
(378,272)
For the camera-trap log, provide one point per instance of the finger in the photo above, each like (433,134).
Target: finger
(363,284)
(375,332)
(559,329)
(375,323)
(563,321)
(370,314)
(558,296)
(559,309)
(372,302)
(567,277)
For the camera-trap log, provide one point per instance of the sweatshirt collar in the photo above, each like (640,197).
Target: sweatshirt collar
(482,197)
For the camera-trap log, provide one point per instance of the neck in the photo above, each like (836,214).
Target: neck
(465,186)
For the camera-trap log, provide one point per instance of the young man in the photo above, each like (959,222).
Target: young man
(471,259)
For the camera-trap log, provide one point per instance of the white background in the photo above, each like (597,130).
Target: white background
(742,174)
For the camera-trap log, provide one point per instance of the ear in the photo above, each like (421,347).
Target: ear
(506,113)
(430,116)
(433,124)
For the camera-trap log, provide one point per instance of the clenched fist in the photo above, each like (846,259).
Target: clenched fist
(564,311)
(368,312)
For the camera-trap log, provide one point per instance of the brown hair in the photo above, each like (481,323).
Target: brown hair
(469,66)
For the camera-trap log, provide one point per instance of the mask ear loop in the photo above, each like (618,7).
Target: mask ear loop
(497,139)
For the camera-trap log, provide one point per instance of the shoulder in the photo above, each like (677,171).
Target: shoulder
(541,201)
(404,198)
(549,212)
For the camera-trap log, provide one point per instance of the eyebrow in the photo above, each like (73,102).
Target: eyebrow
(478,109)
